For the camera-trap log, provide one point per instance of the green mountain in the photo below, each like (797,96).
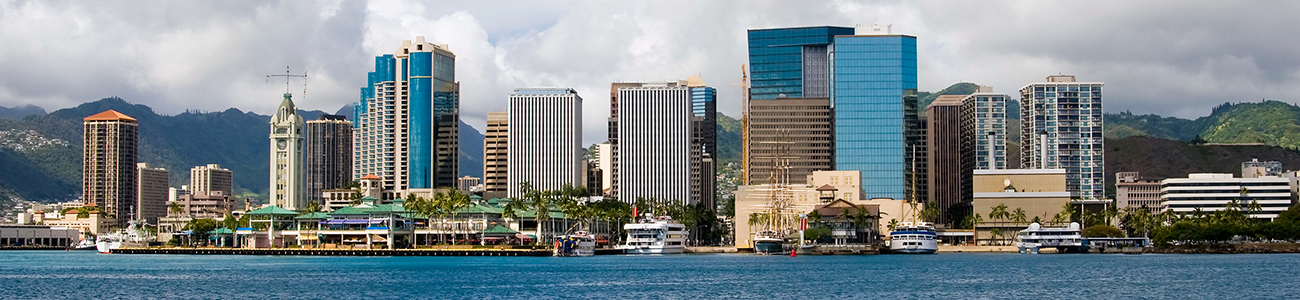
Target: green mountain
(234,139)
(1163,158)
(960,88)
(729,140)
(1268,122)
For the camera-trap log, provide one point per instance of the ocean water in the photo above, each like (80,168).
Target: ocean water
(89,275)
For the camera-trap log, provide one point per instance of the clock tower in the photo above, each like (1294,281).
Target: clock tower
(286,157)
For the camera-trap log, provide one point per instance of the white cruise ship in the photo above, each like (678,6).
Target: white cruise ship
(1064,239)
(909,238)
(661,235)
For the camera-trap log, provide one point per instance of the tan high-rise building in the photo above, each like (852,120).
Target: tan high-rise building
(793,131)
(949,177)
(153,188)
(211,178)
(108,174)
(1131,190)
(495,157)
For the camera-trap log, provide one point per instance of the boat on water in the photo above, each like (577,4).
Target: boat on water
(768,242)
(913,238)
(133,236)
(1064,239)
(661,235)
(85,244)
(579,243)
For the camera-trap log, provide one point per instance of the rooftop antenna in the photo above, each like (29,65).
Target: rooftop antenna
(287,76)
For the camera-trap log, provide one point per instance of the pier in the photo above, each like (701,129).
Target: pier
(337,252)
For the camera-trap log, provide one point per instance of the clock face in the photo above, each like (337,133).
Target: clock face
(281,143)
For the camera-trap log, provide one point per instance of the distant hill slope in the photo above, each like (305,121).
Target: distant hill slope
(1269,122)
(19,112)
(961,88)
(729,139)
(1163,158)
(234,139)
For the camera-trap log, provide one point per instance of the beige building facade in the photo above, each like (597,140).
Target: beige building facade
(793,131)
(108,168)
(1039,193)
(821,188)
(153,188)
(1131,190)
(496,158)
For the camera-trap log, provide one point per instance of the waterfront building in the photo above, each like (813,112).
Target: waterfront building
(407,120)
(545,139)
(328,156)
(210,205)
(821,188)
(496,158)
(656,154)
(984,118)
(467,184)
(108,176)
(1255,168)
(1211,192)
(1131,190)
(92,224)
(948,173)
(1040,193)
(1061,128)
(153,185)
(605,161)
(286,157)
(38,235)
(791,134)
(210,178)
(876,122)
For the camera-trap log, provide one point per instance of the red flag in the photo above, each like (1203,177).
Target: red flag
(634,212)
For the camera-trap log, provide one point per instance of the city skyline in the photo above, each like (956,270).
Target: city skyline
(503,49)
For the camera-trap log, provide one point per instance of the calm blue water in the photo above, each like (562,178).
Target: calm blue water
(89,275)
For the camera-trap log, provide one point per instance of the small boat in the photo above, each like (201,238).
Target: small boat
(768,242)
(909,238)
(85,244)
(661,235)
(579,243)
(1064,239)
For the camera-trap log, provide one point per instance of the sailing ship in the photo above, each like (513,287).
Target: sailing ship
(913,237)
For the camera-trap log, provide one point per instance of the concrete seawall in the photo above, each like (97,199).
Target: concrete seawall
(337,252)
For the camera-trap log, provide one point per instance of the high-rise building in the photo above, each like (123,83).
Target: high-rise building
(875,109)
(210,178)
(329,156)
(407,120)
(984,123)
(496,139)
(1211,192)
(152,187)
(286,157)
(108,173)
(605,161)
(1255,168)
(1131,190)
(1061,128)
(704,137)
(545,139)
(792,62)
(656,154)
(792,133)
(948,174)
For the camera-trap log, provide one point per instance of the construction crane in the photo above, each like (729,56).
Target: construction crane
(287,76)
(744,124)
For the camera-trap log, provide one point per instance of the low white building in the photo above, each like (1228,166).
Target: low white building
(1213,192)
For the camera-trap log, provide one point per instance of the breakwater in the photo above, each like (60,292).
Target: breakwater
(1253,248)
(337,252)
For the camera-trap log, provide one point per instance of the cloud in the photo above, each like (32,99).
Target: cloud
(1164,57)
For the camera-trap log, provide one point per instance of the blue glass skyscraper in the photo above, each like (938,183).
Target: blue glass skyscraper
(875,109)
(791,62)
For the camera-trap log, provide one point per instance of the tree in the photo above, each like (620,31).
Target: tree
(455,201)
(1103,231)
(814,217)
(1018,216)
(995,233)
(312,207)
(174,208)
(201,227)
(999,212)
(930,213)
(1198,140)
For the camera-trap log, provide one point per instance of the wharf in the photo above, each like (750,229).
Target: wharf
(33,248)
(337,252)
(610,251)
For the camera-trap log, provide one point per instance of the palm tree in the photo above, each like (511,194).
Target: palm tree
(995,233)
(1018,216)
(893,223)
(312,207)
(455,201)
(542,210)
(174,208)
(930,213)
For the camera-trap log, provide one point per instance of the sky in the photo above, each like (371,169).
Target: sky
(1173,58)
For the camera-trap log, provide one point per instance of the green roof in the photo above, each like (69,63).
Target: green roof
(350,210)
(500,229)
(272,210)
(387,208)
(368,198)
(532,214)
(314,216)
(477,208)
(221,230)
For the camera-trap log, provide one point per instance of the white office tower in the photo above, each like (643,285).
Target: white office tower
(654,150)
(1061,128)
(984,126)
(545,139)
(286,157)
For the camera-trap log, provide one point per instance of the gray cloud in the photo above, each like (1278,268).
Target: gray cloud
(1165,57)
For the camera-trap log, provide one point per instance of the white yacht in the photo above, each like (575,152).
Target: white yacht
(913,238)
(1069,238)
(661,235)
(768,242)
(577,244)
(133,236)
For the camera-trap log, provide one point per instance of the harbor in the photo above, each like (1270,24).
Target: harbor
(337,252)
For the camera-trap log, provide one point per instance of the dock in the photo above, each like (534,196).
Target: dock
(337,252)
